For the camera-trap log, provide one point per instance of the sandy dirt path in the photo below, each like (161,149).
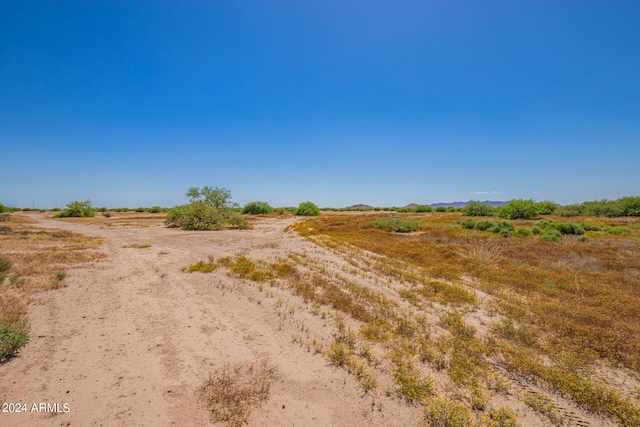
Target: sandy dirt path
(130,339)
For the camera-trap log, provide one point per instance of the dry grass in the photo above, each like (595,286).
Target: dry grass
(138,246)
(233,391)
(558,307)
(39,261)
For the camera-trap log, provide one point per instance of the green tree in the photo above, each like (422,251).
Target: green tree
(547,207)
(218,198)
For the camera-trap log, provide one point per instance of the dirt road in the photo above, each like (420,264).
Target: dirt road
(131,337)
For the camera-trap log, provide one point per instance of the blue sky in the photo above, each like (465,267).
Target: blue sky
(130,103)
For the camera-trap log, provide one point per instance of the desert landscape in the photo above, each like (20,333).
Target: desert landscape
(327,320)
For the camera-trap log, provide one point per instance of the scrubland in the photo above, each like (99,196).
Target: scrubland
(342,319)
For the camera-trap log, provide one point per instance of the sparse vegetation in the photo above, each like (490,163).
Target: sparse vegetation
(233,391)
(475,208)
(210,209)
(77,209)
(397,224)
(518,209)
(13,335)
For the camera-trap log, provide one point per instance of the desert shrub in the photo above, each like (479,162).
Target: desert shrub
(503,417)
(504,228)
(423,208)
(484,225)
(4,217)
(210,209)
(547,207)
(444,412)
(562,227)
(3,208)
(101,209)
(13,335)
(77,209)
(608,208)
(551,235)
(570,210)
(257,208)
(5,265)
(307,209)
(630,205)
(156,209)
(518,209)
(239,222)
(475,208)
(523,232)
(280,211)
(441,209)
(397,224)
(617,230)
(469,224)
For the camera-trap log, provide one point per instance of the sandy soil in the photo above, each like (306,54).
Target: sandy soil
(131,337)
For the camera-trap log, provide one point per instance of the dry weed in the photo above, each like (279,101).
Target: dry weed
(231,392)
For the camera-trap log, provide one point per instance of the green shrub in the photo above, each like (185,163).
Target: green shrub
(198,215)
(156,209)
(617,230)
(570,210)
(257,208)
(5,265)
(280,211)
(547,208)
(485,225)
(239,222)
(469,224)
(519,209)
(551,235)
(423,208)
(630,205)
(504,228)
(13,335)
(307,209)
(210,209)
(475,208)
(397,224)
(77,209)
(3,208)
(441,209)
(523,232)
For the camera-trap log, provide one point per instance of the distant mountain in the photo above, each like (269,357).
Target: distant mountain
(360,206)
(412,206)
(493,203)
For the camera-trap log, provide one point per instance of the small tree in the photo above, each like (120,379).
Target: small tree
(307,209)
(77,209)
(424,208)
(218,198)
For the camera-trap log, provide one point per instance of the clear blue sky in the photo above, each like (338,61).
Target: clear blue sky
(130,103)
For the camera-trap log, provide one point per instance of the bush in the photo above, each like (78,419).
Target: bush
(77,209)
(551,235)
(441,209)
(397,224)
(13,335)
(307,209)
(475,208)
(3,208)
(570,210)
(519,209)
(156,209)
(523,232)
(547,208)
(198,215)
(210,209)
(424,208)
(239,222)
(5,265)
(257,208)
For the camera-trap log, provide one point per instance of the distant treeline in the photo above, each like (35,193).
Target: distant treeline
(518,208)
